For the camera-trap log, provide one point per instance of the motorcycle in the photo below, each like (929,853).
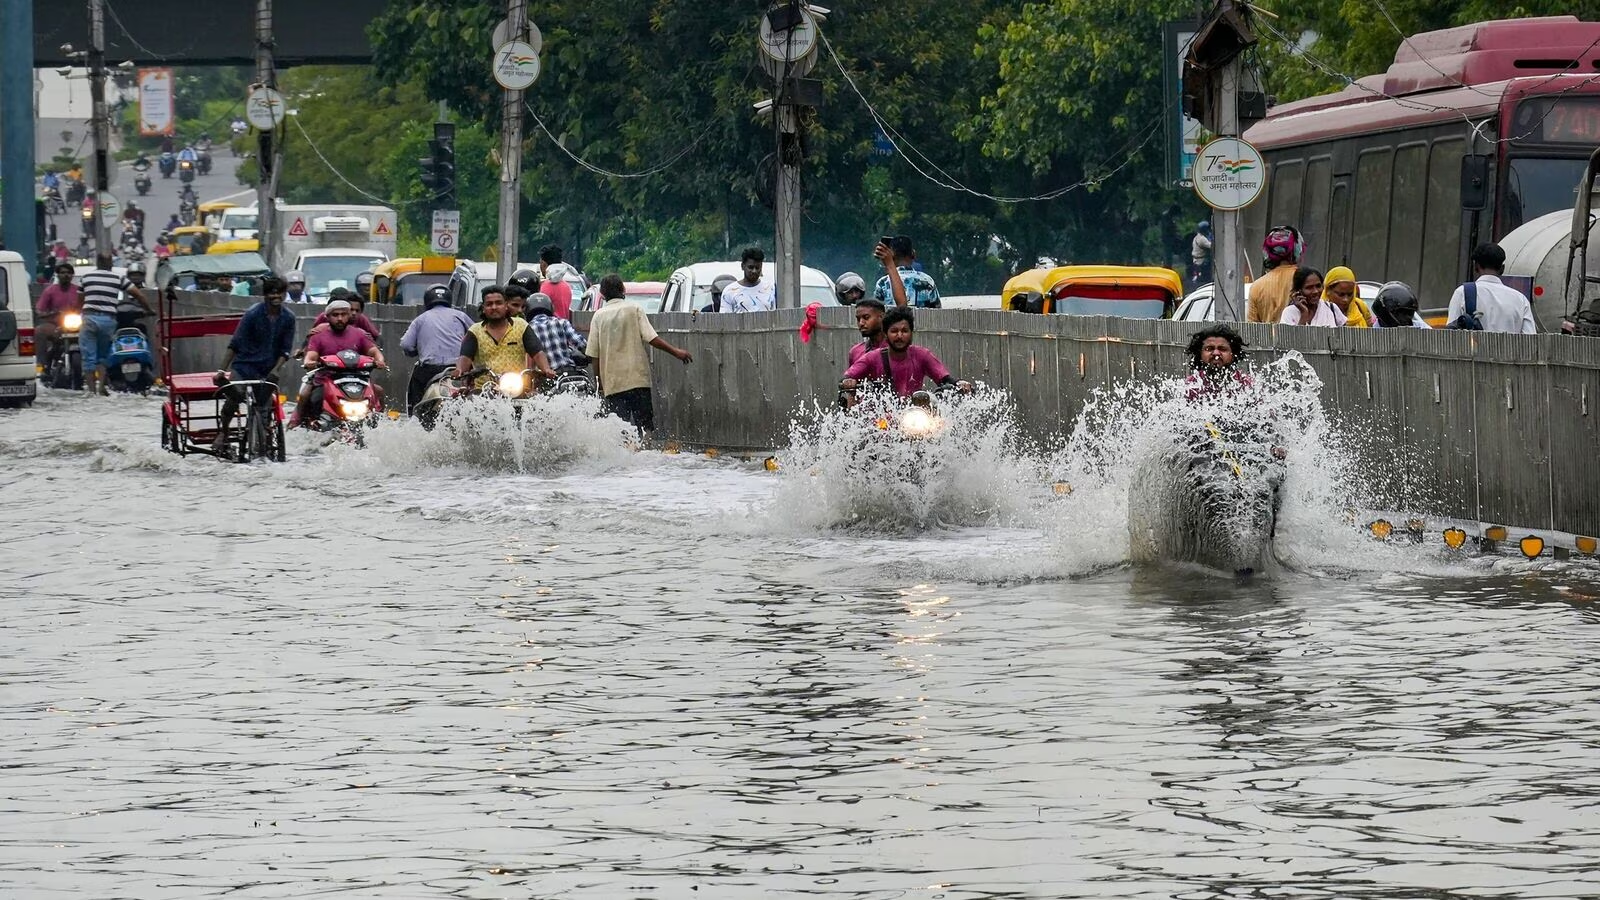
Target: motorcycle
(131,366)
(344,401)
(571,381)
(142,183)
(129,239)
(63,365)
(902,440)
(87,214)
(1212,499)
(76,191)
(446,387)
(187,211)
(53,204)
(185,170)
(167,163)
(204,162)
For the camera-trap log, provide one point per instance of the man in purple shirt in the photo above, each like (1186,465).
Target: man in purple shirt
(904,365)
(869,321)
(60,296)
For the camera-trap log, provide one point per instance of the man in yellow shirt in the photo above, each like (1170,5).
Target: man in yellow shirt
(1272,291)
(618,334)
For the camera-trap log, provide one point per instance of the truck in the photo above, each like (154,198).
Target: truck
(331,243)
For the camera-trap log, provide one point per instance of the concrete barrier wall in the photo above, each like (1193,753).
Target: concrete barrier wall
(1484,427)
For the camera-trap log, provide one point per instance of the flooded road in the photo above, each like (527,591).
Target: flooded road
(423,671)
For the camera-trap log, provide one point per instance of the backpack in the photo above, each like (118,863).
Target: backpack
(1468,321)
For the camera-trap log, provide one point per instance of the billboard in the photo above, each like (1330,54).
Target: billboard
(157,110)
(1184,135)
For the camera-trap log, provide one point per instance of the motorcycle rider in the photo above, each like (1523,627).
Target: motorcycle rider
(851,288)
(562,343)
(517,301)
(869,321)
(364,286)
(133,214)
(500,343)
(340,336)
(1396,307)
(173,224)
(356,317)
(1214,356)
(129,313)
(297,287)
(58,298)
(261,343)
(435,337)
(900,362)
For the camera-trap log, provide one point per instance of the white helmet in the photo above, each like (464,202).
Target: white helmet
(850,281)
(295,277)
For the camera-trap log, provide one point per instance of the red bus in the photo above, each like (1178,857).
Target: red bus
(1472,132)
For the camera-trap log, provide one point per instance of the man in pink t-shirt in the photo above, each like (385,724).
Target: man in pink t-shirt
(339,337)
(60,296)
(908,365)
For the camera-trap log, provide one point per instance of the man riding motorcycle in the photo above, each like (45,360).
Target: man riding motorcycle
(340,336)
(58,299)
(869,321)
(500,343)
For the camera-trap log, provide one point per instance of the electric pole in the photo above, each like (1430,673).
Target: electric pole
(266,162)
(511,137)
(789,39)
(102,137)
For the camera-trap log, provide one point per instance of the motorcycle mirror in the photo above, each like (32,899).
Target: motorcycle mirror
(922,398)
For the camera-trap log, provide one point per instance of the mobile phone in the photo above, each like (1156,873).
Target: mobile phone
(886,240)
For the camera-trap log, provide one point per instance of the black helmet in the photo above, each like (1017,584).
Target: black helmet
(527,278)
(1396,305)
(435,296)
(539,301)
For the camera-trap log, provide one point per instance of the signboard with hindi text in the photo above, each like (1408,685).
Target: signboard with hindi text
(157,110)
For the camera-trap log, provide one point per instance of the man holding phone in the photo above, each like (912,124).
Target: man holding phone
(902,285)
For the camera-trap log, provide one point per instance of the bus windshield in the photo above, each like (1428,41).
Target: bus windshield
(1537,186)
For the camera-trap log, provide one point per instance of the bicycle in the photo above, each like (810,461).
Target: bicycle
(262,436)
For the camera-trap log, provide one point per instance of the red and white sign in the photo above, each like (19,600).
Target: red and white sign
(383,229)
(157,113)
(298,229)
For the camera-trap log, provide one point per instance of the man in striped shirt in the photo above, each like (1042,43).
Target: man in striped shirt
(102,291)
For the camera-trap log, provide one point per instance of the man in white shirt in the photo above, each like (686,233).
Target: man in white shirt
(1500,308)
(750,294)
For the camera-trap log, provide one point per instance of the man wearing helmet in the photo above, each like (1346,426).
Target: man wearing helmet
(851,288)
(719,285)
(1272,292)
(434,338)
(1396,307)
(364,286)
(297,287)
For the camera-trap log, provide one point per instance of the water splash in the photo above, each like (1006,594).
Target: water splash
(853,469)
(544,436)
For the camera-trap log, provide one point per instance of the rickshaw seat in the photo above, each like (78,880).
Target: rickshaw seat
(193,386)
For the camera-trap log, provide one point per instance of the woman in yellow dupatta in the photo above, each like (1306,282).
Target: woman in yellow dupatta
(1339,288)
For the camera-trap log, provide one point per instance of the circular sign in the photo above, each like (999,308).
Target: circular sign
(516,65)
(110,208)
(530,35)
(1229,174)
(263,108)
(791,44)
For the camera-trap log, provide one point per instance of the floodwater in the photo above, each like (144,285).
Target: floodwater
(477,666)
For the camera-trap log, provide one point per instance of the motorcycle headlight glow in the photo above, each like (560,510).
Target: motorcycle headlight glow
(917,422)
(354,409)
(513,384)
(71,322)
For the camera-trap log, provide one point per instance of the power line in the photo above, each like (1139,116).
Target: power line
(668,163)
(950,182)
(131,39)
(340,175)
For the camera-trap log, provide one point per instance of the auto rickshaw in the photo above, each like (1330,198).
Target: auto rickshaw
(242,245)
(1024,292)
(188,273)
(188,240)
(1131,292)
(404,280)
(210,210)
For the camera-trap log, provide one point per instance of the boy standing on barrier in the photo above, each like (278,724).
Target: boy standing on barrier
(618,334)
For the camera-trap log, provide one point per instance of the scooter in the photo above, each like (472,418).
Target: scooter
(204,163)
(63,366)
(185,170)
(53,204)
(142,183)
(167,163)
(131,366)
(76,191)
(343,401)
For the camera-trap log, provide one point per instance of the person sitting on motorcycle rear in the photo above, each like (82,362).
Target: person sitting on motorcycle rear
(869,321)
(1396,307)
(562,343)
(356,317)
(900,362)
(339,336)
(517,301)
(59,298)
(500,343)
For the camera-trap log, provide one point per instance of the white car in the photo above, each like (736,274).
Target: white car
(471,277)
(689,288)
(237,223)
(1197,305)
(19,378)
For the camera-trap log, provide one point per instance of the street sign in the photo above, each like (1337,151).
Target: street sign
(446,231)
(530,35)
(263,107)
(1229,174)
(516,65)
(791,51)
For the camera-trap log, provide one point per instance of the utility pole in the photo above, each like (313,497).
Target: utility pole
(102,137)
(789,40)
(511,149)
(786,227)
(17,111)
(266,160)
(1226,255)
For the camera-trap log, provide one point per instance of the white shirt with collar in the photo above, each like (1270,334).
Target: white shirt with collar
(1500,308)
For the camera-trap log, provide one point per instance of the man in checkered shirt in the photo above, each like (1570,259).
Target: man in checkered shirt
(562,343)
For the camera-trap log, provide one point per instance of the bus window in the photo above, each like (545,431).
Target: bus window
(1406,213)
(1441,252)
(1319,185)
(1339,224)
(1370,238)
(1254,222)
(1538,186)
(1286,179)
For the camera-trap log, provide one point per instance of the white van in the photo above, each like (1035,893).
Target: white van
(689,288)
(19,378)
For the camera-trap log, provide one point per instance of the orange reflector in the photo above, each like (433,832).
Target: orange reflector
(711,453)
(394,414)
(1061,487)
(770,464)
(1532,546)
(670,447)
(282,399)
(1586,545)
(1495,533)
(1455,538)
(883,424)
(1381,529)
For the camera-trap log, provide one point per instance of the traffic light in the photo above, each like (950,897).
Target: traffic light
(444,164)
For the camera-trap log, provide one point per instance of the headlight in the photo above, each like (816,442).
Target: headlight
(919,423)
(353,409)
(513,384)
(71,322)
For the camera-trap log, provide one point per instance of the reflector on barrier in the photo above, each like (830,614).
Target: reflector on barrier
(1532,546)
(1455,538)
